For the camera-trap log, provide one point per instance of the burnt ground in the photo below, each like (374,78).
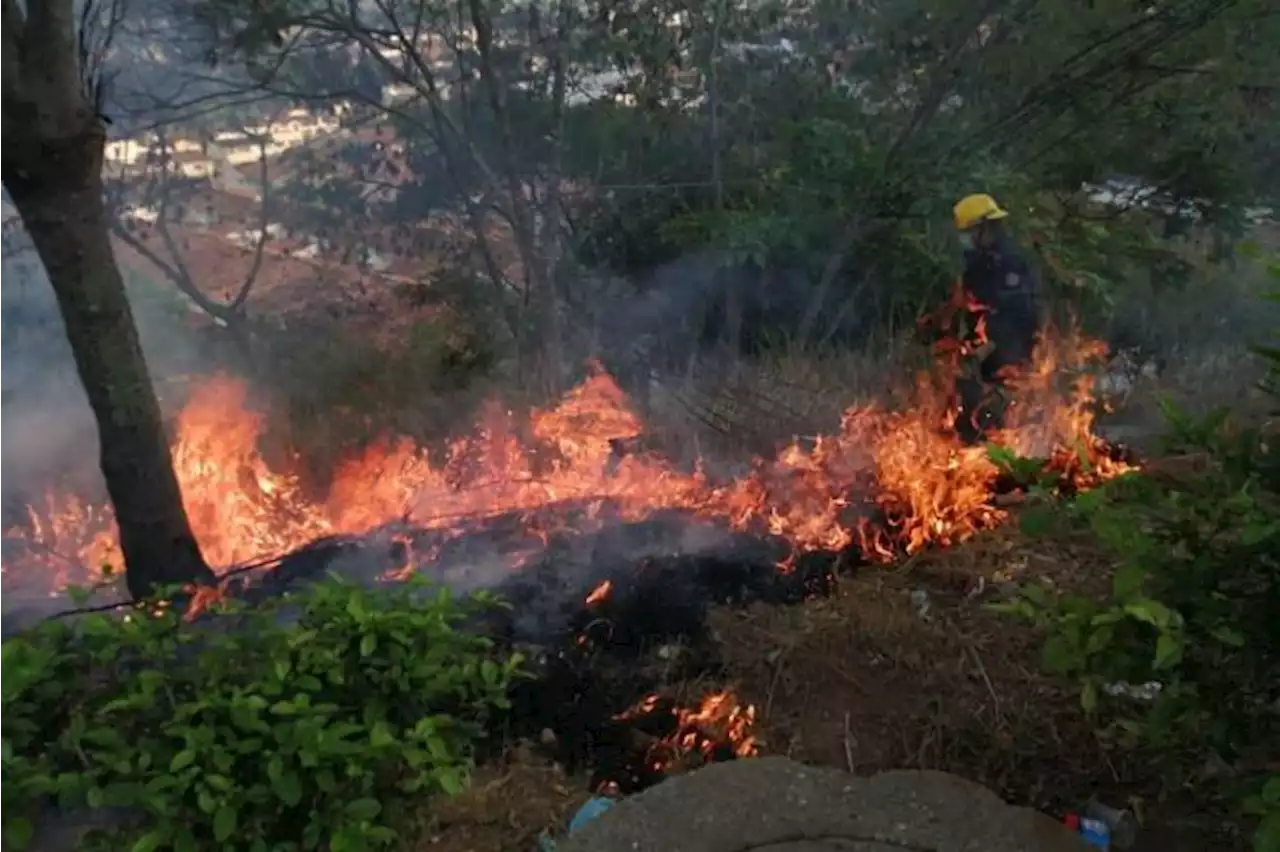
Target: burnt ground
(866,679)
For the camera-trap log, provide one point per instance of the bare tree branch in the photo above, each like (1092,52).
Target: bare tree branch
(236,305)
(175,268)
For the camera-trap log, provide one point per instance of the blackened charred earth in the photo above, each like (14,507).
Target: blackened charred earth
(654,583)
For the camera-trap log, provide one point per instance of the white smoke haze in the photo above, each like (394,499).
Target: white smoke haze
(49,438)
(48,428)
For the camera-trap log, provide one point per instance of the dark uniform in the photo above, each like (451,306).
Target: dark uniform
(1001,280)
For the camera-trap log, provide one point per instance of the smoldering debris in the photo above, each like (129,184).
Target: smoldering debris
(624,587)
(592,613)
(631,586)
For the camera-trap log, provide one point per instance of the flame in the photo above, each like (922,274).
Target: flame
(599,593)
(719,727)
(889,481)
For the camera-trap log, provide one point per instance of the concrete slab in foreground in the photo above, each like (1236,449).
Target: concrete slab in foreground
(772,804)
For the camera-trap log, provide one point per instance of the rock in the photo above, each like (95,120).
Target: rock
(779,805)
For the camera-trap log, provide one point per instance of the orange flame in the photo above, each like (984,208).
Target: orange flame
(719,722)
(599,593)
(559,469)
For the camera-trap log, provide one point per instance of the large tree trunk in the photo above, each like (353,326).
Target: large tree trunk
(52,167)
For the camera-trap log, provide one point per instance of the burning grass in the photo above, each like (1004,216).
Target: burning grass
(888,482)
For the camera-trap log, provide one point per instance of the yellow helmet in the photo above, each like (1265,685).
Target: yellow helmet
(975,209)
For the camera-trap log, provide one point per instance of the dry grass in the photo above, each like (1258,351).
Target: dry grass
(739,410)
(871,680)
(1210,377)
(507,806)
(730,415)
(906,668)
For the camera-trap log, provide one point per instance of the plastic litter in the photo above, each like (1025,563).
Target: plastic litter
(591,809)
(1091,831)
(1121,823)
(922,604)
(1148,691)
(1104,827)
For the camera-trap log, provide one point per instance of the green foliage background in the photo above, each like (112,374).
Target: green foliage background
(1191,609)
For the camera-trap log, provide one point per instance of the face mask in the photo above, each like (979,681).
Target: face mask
(968,242)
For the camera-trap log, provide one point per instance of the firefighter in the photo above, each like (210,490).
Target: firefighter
(997,277)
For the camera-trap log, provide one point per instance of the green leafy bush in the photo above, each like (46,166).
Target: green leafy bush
(298,724)
(1191,610)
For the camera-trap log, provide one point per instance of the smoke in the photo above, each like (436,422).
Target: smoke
(706,310)
(49,431)
(1220,307)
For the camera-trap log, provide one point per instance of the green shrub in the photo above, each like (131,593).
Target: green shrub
(299,724)
(1192,607)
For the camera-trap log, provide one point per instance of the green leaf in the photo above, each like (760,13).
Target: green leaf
(1090,501)
(490,673)
(368,644)
(1168,651)
(1060,654)
(1001,456)
(1127,582)
(182,760)
(1150,611)
(289,788)
(450,781)
(380,735)
(1229,636)
(221,783)
(1035,594)
(1267,836)
(224,823)
(362,810)
(347,839)
(1038,521)
(1252,535)
(1100,639)
(355,608)
(1089,696)
(18,831)
(150,841)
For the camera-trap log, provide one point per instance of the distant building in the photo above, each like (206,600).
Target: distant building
(217,157)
